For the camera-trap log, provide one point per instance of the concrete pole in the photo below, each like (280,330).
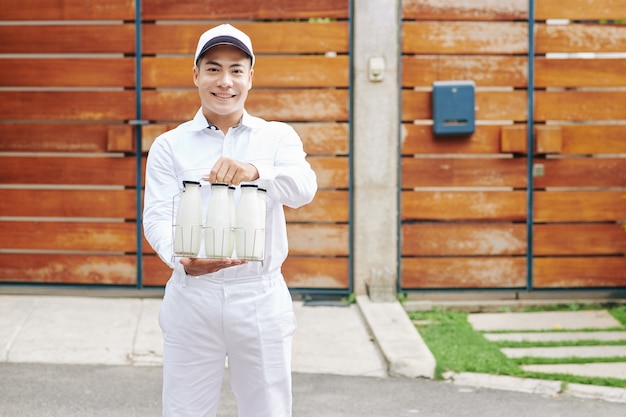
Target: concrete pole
(375,148)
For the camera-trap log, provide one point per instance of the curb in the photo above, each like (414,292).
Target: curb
(537,386)
(402,346)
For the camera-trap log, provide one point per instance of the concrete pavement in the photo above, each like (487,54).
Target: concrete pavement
(365,339)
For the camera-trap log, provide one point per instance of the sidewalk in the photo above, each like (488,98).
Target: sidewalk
(365,339)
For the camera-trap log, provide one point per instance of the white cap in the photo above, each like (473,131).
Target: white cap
(224,35)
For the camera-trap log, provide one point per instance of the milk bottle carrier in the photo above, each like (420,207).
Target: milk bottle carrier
(229,231)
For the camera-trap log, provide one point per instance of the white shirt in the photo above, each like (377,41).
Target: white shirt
(189,151)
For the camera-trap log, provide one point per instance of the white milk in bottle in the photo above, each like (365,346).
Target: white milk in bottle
(250,231)
(219,239)
(188,225)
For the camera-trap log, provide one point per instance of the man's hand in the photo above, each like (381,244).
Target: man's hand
(201,266)
(232,172)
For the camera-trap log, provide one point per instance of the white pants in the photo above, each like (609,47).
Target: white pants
(250,321)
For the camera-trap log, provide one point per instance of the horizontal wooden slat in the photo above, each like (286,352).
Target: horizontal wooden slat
(579,206)
(580,9)
(267,37)
(457,172)
(68,10)
(571,272)
(58,137)
(431,239)
(66,236)
(421,70)
(324,138)
(580,38)
(464,38)
(580,72)
(67,105)
(68,269)
(269,71)
(580,105)
(332,172)
(579,239)
(68,203)
(464,205)
(87,38)
(490,105)
(420,139)
(285,105)
(316,272)
(225,9)
(327,206)
(473,10)
(68,72)
(432,273)
(155,272)
(66,170)
(587,172)
(318,239)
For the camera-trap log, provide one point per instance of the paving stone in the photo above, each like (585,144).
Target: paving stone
(610,370)
(566,352)
(571,320)
(555,336)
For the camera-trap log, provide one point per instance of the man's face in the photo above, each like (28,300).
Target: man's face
(223,77)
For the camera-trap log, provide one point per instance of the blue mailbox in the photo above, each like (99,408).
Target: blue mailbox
(453,107)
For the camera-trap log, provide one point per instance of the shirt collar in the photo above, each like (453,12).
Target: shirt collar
(199,122)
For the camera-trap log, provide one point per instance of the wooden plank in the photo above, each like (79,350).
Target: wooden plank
(498,71)
(596,138)
(332,172)
(580,9)
(286,105)
(67,170)
(68,269)
(579,206)
(580,105)
(155,272)
(68,203)
(225,9)
(420,139)
(327,206)
(67,236)
(76,105)
(490,105)
(457,172)
(434,273)
(579,239)
(463,205)
(267,37)
(324,138)
(318,239)
(580,38)
(482,38)
(76,38)
(433,239)
(582,172)
(580,72)
(473,10)
(269,71)
(316,272)
(56,137)
(68,10)
(68,72)
(579,272)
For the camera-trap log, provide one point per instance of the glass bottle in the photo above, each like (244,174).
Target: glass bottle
(250,236)
(188,225)
(219,239)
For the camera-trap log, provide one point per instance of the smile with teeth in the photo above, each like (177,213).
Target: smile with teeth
(222,95)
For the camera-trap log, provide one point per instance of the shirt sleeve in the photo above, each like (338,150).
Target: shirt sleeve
(293,181)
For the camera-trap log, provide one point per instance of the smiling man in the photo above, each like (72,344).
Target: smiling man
(226,308)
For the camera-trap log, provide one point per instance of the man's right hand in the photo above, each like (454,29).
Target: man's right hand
(201,266)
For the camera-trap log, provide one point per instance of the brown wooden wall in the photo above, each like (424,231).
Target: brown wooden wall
(464,199)
(68,190)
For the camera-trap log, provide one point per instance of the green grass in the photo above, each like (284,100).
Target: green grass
(457,347)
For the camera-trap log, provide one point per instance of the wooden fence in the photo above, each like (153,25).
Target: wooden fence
(464,199)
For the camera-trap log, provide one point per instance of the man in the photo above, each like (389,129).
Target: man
(218,309)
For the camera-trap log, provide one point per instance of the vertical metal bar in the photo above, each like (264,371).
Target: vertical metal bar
(351,151)
(399,155)
(530,144)
(138,150)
